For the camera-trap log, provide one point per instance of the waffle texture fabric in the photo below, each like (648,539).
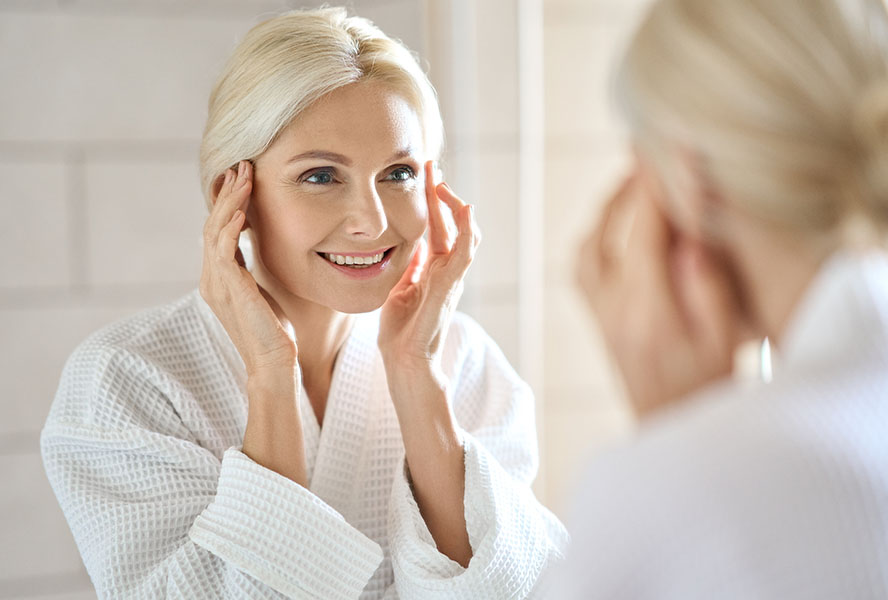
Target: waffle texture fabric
(143,443)
(772,491)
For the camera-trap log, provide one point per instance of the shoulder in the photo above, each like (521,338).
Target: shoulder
(733,470)
(114,375)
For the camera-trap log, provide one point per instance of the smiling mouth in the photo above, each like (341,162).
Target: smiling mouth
(355,262)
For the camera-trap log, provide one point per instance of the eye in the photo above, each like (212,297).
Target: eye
(319,177)
(404,173)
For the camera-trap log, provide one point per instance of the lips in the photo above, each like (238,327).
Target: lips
(359,265)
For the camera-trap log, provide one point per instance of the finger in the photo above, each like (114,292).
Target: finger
(438,239)
(228,238)
(414,269)
(463,251)
(233,196)
(606,240)
(651,238)
(455,204)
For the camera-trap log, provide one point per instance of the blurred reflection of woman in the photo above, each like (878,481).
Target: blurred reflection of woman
(758,207)
(260,438)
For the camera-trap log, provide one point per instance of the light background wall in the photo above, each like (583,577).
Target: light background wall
(101,111)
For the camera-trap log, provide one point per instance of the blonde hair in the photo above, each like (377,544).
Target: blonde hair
(785,101)
(285,64)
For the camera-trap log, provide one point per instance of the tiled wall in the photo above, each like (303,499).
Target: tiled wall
(101,112)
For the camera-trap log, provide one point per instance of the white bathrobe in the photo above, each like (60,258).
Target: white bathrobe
(143,450)
(770,491)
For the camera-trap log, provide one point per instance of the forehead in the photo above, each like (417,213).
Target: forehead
(362,121)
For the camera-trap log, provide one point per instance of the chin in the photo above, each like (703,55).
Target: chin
(360,304)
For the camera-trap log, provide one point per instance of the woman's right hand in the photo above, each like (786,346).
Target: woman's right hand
(253,320)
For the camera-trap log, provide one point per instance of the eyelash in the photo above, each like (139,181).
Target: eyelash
(411,174)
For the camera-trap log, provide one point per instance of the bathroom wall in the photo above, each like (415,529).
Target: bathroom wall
(101,112)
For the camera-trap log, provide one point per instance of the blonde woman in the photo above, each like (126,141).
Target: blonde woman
(757,208)
(272,436)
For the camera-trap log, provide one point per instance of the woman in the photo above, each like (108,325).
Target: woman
(759,196)
(261,438)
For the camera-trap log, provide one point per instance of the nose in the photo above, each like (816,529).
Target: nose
(366,214)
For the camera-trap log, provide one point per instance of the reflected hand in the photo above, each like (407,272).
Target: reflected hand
(666,304)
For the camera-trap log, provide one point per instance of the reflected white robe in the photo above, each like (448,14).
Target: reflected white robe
(769,491)
(143,450)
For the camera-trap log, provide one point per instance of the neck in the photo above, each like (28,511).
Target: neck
(775,269)
(320,334)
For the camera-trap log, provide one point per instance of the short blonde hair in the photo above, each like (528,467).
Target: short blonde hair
(285,64)
(785,101)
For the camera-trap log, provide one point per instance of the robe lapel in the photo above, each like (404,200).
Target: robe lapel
(343,440)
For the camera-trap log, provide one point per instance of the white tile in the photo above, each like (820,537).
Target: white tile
(36,538)
(75,77)
(575,355)
(145,222)
(577,185)
(36,344)
(34,243)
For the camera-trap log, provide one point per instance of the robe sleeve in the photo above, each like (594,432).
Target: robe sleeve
(514,538)
(155,515)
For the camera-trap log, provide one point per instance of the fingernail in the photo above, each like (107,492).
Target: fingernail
(240,169)
(227,176)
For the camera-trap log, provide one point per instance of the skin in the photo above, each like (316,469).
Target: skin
(371,189)
(674,302)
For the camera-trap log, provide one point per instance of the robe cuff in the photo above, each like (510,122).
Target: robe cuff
(513,537)
(283,535)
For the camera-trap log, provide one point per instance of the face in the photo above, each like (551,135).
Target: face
(338,204)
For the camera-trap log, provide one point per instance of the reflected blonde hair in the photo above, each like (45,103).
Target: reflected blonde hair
(285,64)
(785,101)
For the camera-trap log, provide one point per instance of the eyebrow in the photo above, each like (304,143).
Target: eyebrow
(344,160)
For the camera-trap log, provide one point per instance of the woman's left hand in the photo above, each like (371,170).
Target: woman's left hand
(412,327)
(416,316)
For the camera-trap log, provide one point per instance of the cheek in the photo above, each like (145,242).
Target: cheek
(409,215)
(285,232)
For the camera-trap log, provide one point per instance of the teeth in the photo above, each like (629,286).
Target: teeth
(344,259)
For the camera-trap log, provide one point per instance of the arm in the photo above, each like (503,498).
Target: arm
(461,525)
(514,539)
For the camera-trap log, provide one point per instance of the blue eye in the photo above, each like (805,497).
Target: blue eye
(401,174)
(320,177)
